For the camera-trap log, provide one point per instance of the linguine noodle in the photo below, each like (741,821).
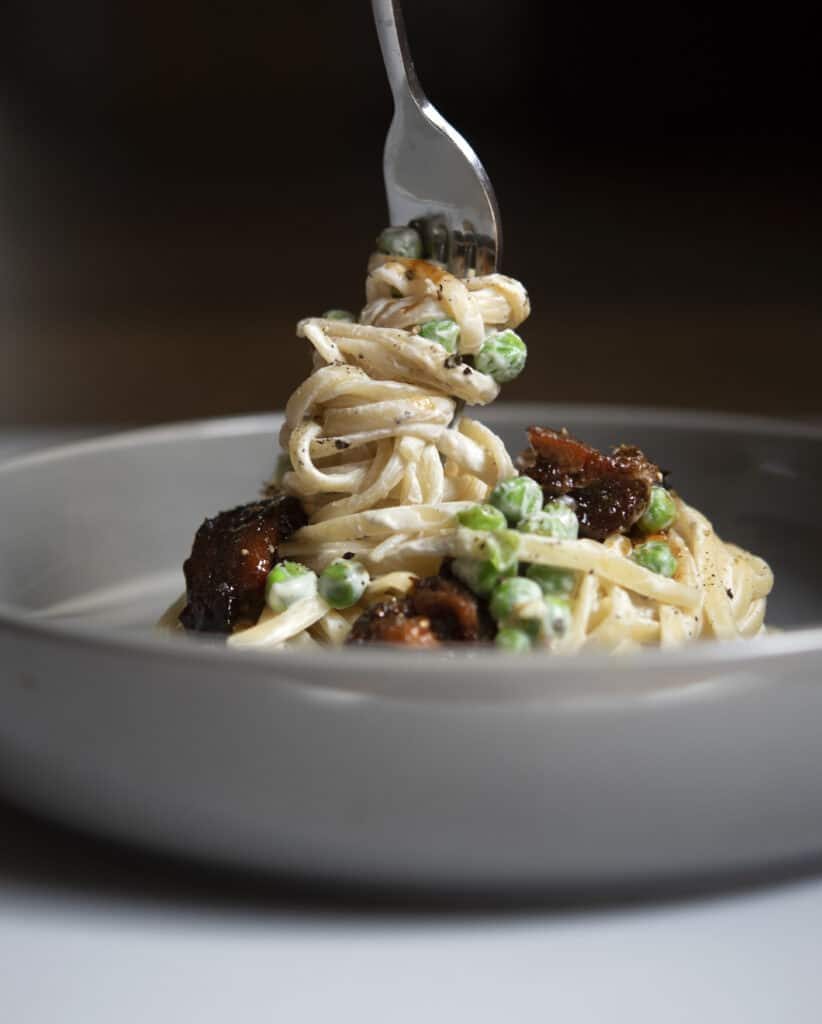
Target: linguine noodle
(382,457)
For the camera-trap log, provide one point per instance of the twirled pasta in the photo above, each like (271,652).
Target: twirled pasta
(375,424)
(382,457)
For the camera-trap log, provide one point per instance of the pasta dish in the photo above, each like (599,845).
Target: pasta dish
(398,517)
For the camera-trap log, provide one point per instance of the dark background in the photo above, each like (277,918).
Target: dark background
(179,183)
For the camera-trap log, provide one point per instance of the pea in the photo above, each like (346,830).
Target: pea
(502,547)
(502,356)
(514,640)
(343,582)
(556,620)
(557,519)
(512,596)
(289,582)
(660,513)
(446,332)
(339,314)
(481,577)
(551,579)
(481,517)
(499,547)
(656,556)
(517,498)
(397,241)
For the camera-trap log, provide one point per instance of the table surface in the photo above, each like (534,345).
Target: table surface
(91,932)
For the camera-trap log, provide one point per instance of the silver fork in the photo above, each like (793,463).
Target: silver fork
(434,180)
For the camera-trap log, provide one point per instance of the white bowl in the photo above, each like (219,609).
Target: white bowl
(468,769)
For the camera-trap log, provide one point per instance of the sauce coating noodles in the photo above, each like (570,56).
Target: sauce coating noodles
(383,457)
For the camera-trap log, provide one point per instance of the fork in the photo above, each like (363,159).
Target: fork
(434,180)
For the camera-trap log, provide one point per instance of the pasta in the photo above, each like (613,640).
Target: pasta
(387,465)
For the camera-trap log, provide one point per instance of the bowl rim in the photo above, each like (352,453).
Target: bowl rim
(400,664)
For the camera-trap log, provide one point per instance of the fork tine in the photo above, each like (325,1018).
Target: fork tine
(434,233)
(486,261)
(460,251)
(462,254)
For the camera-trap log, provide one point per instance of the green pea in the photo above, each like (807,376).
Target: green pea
(289,582)
(481,577)
(446,332)
(501,549)
(532,625)
(512,597)
(656,556)
(502,356)
(343,582)
(557,519)
(481,517)
(339,314)
(404,242)
(517,498)
(660,513)
(514,640)
(556,619)
(551,579)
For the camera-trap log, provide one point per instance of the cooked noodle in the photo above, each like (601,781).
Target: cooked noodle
(382,458)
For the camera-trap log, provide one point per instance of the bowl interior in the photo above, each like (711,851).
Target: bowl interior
(101,528)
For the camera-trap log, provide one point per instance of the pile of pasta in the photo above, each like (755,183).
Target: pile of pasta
(383,456)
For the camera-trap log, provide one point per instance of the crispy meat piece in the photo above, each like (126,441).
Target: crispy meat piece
(610,506)
(560,463)
(457,615)
(611,491)
(231,556)
(392,622)
(437,610)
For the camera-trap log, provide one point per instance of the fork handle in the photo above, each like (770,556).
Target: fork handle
(395,51)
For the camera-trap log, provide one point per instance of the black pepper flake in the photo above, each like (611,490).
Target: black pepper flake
(348,555)
(730,593)
(453,361)
(466,372)
(341,445)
